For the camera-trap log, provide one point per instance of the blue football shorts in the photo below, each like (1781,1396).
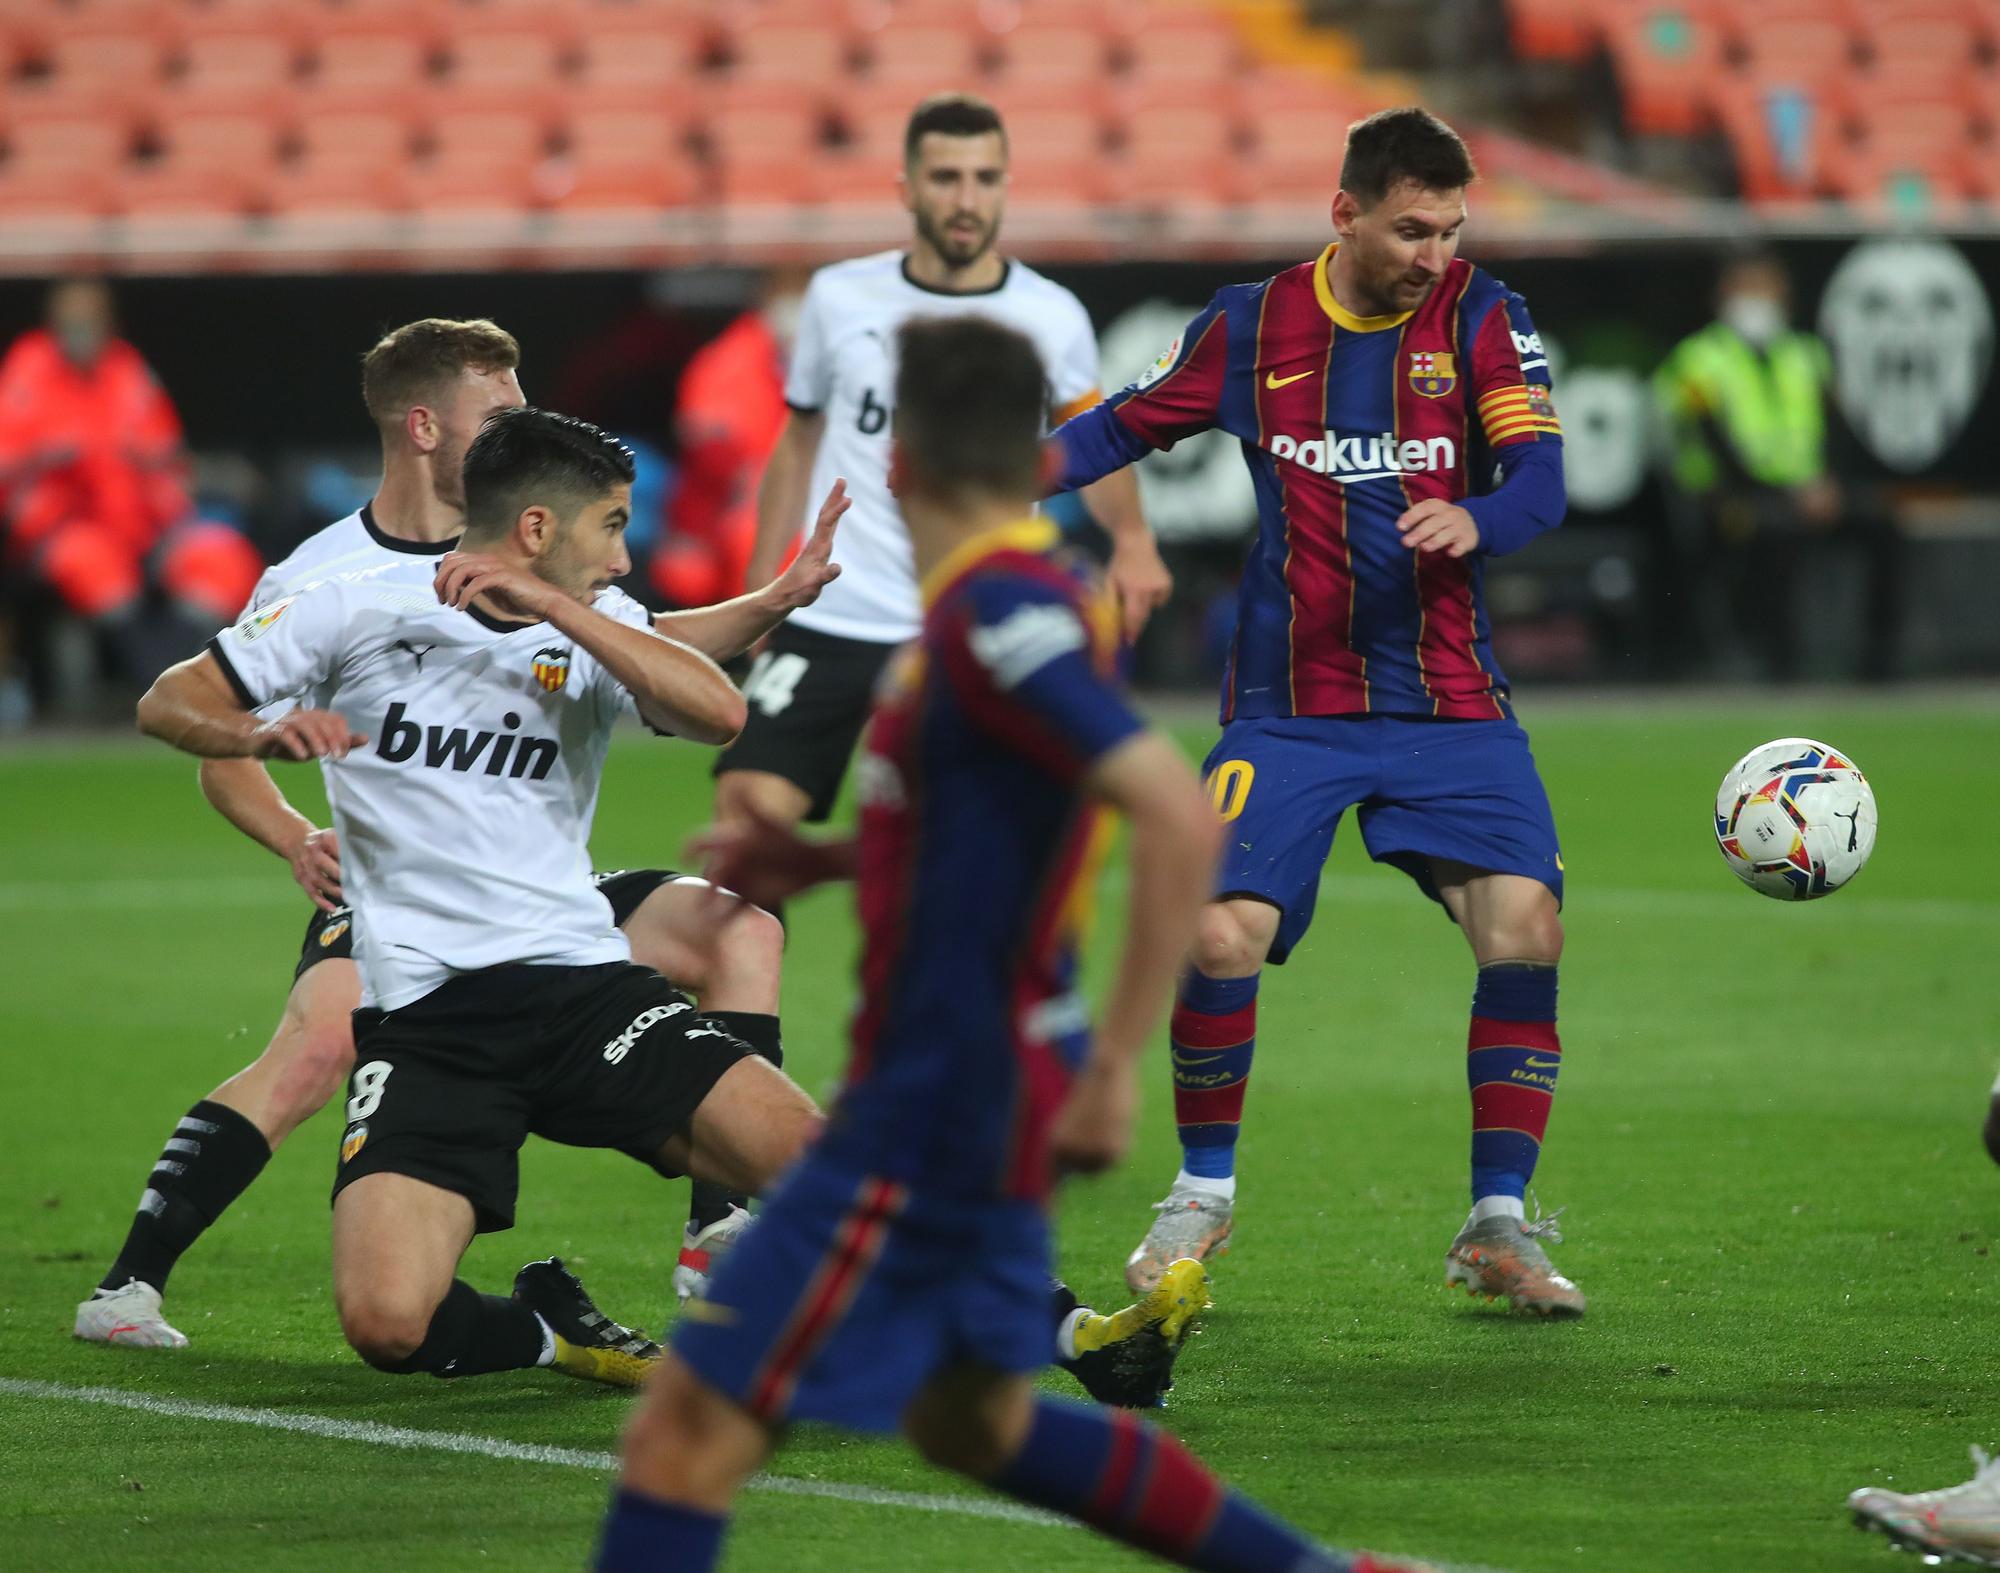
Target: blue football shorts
(1467,791)
(851,1292)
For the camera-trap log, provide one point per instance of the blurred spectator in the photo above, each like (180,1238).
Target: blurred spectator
(94,503)
(1748,405)
(728,413)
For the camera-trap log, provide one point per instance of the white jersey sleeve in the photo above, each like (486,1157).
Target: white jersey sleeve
(809,382)
(615,604)
(1074,382)
(290,648)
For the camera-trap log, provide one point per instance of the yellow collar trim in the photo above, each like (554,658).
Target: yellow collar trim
(1342,317)
(1030,535)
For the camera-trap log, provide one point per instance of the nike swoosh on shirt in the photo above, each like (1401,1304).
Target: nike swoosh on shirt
(1273,380)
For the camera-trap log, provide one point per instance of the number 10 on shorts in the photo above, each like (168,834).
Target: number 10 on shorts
(1229,787)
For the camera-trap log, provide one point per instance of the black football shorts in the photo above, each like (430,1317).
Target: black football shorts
(809,695)
(446,1089)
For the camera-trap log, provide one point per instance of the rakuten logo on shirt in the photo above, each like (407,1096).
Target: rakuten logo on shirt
(1374,458)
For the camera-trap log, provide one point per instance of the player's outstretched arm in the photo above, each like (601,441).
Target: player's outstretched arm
(781,495)
(725,630)
(194,707)
(242,792)
(1175,838)
(677,690)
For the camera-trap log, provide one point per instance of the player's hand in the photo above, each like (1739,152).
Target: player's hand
(1093,1129)
(755,860)
(1140,580)
(305,734)
(316,866)
(1435,525)
(814,568)
(462,577)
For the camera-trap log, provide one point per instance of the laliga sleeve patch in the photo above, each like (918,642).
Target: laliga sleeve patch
(1163,365)
(259,623)
(1026,640)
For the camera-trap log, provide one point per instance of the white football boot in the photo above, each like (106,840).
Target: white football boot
(701,1251)
(1192,1225)
(1958,1524)
(1501,1258)
(130,1315)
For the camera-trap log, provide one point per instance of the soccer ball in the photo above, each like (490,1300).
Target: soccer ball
(1795,819)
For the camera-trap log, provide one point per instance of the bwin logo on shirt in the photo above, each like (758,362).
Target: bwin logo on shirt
(461,750)
(1373,458)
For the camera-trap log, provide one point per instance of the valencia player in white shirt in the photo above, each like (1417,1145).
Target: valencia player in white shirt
(500,998)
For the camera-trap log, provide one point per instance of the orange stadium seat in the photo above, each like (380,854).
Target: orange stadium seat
(1279,137)
(216,138)
(66,141)
(810,54)
(1563,30)
(49,191)
(339,131)
(1807,52)
(856,180)
(1049,55)
(422,19)
(1782,150)
(759,133)
(927,58)
(1176,184)
(340,185)
(88,18)
(658,58)
(608,135)
(620,181)
(1193,46)
(233,62)
(472,182)
(1050,175)
(504,60)
(1666,54)
(1163,133)
(350,62)
(170,187)
(475,134)
(764,182)
(1059,133)
(129,61)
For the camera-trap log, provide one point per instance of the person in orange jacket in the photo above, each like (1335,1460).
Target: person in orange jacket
(728,413)
(94,503)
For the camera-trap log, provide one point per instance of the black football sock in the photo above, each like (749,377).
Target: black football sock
(707,1201)
(207,1163)
(473,1333)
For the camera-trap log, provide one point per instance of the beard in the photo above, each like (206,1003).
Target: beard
(448,474)
(959,248)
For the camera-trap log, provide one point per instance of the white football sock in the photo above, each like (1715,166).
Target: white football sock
(1497,1207)
(1225,1188)
(1066,1334)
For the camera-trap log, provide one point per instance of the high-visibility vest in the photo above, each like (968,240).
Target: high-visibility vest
(1770,406)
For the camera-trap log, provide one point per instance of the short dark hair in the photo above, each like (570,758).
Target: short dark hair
(971,402)
(414,364)
(526,456)
(951,115)
(1396,145)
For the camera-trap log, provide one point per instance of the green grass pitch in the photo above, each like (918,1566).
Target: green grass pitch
(1766,1139)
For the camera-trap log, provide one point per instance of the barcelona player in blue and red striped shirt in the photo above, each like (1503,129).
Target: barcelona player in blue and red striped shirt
(899,1277)
(1394,408)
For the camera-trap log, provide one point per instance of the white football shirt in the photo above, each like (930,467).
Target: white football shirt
(843,366)
(465,819)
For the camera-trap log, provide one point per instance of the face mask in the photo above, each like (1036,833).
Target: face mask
(80,342)
(1757,318)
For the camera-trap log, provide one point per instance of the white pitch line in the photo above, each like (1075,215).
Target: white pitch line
(378,1435)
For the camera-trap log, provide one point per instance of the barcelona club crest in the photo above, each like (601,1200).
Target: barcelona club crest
(552,668)
(1433,373)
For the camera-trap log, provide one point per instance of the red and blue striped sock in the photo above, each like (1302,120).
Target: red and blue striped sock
(1512,1059)
(1135,1483)
(645,1535)
(1214,1033)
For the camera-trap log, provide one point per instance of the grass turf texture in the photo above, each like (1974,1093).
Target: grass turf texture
(1766,1138)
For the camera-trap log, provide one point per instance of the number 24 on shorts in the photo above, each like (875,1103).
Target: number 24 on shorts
(1229,787)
